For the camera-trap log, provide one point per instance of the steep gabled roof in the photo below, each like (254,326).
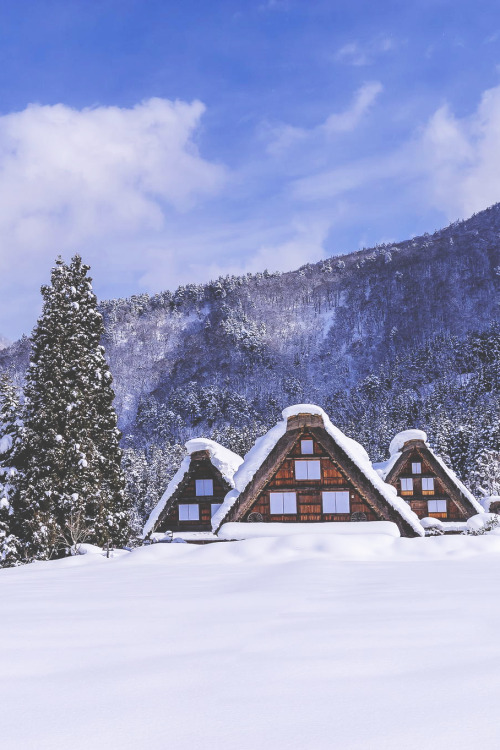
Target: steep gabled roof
(388,469)
(268,452)
(221,458)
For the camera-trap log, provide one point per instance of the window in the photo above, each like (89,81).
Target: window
(307,447)
(307,470)
(436,506)
(427,486)
(407,486)
(282,503)
(189,512)
(214,508)
(204,487)
(336,502)
(416,468)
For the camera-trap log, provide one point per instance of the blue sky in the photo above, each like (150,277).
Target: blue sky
(171,142)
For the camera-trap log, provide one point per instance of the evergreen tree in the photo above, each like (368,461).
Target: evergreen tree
(10,451)
(73,459)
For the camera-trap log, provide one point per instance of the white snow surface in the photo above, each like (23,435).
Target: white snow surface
(223,459)
(258,530)
(401,438)
(311,641)
(264,445)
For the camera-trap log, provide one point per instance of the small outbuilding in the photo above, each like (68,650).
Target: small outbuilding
(305,470)
(197,490)
(424,481)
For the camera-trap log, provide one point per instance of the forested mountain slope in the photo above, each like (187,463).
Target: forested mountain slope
(383,338)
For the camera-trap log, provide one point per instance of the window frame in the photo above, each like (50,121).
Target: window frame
(282,512)
(204,494)
(307,462)
(306,452)
(428,490)
(416,463)
(406,491)
(189,506)
(336,492)
(438,510)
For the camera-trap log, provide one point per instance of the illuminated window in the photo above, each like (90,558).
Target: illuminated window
(427,486)
(336,502)
(416,468)
(436,506)
(307,470)
(407,486)
(307,447)
(283,503)
(204,487)
(189,512)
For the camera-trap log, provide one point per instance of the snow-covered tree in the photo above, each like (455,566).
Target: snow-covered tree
(73,459)
(10,457)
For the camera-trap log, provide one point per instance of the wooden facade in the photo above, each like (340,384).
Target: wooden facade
(331,487)
(187,493)
(425,485)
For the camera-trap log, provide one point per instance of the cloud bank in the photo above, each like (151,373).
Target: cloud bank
(130,190)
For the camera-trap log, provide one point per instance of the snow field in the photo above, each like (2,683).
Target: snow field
(305,641)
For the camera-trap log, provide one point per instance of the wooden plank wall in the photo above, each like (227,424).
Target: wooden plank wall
(199,469)
(418,501)
(309,500)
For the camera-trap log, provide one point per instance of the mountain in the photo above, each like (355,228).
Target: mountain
(371,336)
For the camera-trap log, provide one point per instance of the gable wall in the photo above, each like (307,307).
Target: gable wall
(309,499)
(418,501)
(186,493)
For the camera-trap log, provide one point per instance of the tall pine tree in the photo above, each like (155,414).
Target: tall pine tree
(73,469)
(10,459)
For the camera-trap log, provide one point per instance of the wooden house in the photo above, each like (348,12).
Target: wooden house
(423,480)
(305,470)
(197,490)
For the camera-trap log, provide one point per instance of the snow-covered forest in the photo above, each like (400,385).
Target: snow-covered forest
(400,335)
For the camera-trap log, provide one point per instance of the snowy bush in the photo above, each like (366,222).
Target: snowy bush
(482,523)
(432,526)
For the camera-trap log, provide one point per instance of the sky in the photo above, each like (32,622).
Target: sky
(173,142)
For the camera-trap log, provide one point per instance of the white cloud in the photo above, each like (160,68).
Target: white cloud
(462,157)
(354,53)
(350,118)
(79,180)
(285,136)
(69,175)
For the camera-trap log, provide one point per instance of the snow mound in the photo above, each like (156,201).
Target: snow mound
(401,438)
(481,521)
(239,531)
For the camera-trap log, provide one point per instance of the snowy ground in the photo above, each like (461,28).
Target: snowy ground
(373,643)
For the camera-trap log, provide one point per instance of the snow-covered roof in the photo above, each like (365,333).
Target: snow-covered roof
(384,467)
(401,438)
(451,474)
(223,459)
(264,445)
